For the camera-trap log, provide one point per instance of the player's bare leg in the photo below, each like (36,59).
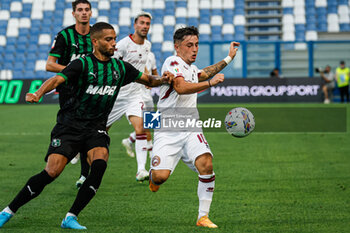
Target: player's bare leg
(205,190)
(158,177)
(149,142)
(140,148)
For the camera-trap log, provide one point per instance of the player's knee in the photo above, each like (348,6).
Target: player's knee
(53,172)
(204,164)
(160,176)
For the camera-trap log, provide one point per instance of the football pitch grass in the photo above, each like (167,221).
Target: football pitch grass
(266,182)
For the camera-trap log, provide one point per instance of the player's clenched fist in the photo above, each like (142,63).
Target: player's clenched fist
(32,98)
(167,77)
(219,78)
(233,49)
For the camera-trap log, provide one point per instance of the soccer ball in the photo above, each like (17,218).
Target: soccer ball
(239,122)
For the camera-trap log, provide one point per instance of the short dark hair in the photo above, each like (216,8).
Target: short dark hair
(76,2)
(180,33)
(98,27)
(144,14)
(342,62)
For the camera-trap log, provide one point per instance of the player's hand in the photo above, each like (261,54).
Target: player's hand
(167,77)
(233,49)
(219,78)
(32,98)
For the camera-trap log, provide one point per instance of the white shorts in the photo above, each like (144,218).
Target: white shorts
(169,148)
(147,98)
(126,106)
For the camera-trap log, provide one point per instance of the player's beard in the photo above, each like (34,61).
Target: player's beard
(107,53)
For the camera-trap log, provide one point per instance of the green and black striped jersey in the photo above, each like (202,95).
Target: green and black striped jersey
(69,45)
(96,85)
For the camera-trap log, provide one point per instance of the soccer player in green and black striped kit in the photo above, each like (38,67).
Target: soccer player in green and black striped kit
(71,43)
(81,125)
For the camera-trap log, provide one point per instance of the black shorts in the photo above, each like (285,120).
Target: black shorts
(69,141)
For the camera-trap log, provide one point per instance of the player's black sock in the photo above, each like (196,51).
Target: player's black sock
(85,167)
(89,187)
(31,189)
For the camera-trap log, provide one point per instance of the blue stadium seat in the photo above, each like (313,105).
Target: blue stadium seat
(344,27)
(204,13)
(103,12)
(113,20)
(8,65)
(10,57)
(167,54)
(322,27)
(156,47)
(204,20)
(92,21)
(31,57)
(157,19)
(21,48)
(193,22)
(44,48)
(288,10)
(168,36)
(29,73)
(18,74)
(169,30)
(228,37)
(181,20)
(181,4)
(205,37)
(216,37)
(10,49)
(311,26)
(19,66)
(11,40)
(3,31)
(23,32)
(5,5)
(15,14)
(36,23)
(32,49)
(48,15)
(42,74)
(126,4)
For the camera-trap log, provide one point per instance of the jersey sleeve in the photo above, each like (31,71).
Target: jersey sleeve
(172,65)
(58,46)
(153,61)
(120,50)
(131,73)
(73,70)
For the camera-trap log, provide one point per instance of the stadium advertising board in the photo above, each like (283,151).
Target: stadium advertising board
(14,91)
(232,90)
(262,90)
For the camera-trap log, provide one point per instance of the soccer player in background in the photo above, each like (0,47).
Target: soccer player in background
(134,49)
(81,125)
(71,43)
(151,68)
(191,147)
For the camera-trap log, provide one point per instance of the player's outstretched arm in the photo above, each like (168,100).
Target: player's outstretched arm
(182,87)
(47,86)
(52,65)
(155,81)
(212,70)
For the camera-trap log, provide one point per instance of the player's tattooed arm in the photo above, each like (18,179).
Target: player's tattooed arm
(212,70)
